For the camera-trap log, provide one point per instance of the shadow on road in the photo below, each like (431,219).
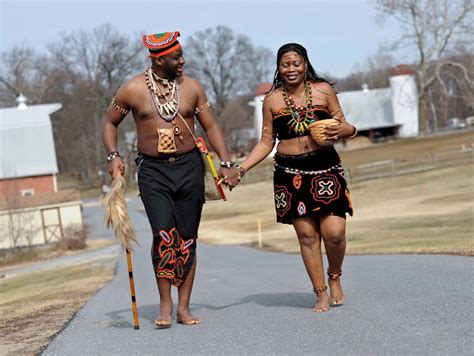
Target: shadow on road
(292,300)
(122,319)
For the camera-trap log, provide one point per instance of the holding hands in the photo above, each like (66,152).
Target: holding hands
(229,177)
(232,175)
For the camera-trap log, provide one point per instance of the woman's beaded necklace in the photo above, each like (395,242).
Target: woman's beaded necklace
(303,116)
(170,107)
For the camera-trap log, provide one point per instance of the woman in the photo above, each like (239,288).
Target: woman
(309,184)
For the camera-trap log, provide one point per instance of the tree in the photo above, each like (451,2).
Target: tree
(227,64)
(436,29)
(373,72)
(23,71)
(81,71)
(90,66)
(238,115)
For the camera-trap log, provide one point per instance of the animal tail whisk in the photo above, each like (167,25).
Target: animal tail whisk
(117,217)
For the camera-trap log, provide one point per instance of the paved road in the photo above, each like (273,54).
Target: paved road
(257,302)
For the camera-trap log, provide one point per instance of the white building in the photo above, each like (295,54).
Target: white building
(28,157)
(392,111)
(32,210)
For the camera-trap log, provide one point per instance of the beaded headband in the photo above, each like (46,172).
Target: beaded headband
(161,44)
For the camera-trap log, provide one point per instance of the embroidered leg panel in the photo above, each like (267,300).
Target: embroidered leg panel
(172,256)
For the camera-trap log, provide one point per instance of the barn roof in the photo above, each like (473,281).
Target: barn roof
(26,141)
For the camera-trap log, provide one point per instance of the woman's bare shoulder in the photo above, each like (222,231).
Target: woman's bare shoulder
(272,97)
(324,87)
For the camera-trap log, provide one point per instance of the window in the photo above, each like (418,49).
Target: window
(27,192)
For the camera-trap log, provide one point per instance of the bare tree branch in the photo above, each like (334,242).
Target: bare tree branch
(433,27)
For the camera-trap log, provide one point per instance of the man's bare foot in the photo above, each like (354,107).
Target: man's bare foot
(337,296)
(322,303)
(186,318)
(164,318)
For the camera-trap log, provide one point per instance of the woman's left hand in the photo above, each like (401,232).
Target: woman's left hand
(336,132)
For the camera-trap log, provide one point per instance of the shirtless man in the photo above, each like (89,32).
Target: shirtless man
(170,170)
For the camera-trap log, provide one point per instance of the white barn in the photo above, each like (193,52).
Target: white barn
(32,210)
(28,162)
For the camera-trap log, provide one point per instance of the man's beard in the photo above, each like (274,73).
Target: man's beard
(170,72)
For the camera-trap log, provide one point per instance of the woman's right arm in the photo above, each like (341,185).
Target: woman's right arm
(265,146)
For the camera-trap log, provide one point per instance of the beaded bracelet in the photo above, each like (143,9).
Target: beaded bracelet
(240,171)
(229,164)
(112,155)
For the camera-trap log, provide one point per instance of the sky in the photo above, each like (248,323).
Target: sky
(337,34)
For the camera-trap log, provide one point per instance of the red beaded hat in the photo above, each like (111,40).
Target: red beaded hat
(161,44)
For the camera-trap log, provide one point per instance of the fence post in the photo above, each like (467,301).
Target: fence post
(259,231)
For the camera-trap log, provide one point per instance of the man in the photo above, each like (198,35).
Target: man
(164,103)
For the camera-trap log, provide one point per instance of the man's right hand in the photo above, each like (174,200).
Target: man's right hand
(116,167)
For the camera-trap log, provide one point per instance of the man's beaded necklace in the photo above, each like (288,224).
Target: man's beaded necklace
(170,94)
(300,117)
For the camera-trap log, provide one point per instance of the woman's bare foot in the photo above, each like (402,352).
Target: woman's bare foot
(186,318)
(337,296)
(164,318)
(322,303)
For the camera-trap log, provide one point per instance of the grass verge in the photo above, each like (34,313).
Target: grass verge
(14,258)
(426,212)
(35,307)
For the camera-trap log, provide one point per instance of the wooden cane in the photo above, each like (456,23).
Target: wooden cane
(117,217)
(132,290)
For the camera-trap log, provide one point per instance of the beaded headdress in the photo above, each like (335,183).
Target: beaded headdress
(161,44)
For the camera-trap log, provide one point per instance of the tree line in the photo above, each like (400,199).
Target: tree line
(85,68)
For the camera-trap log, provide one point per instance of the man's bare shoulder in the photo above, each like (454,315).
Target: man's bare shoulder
(128,91)
(190,81)
(134,83)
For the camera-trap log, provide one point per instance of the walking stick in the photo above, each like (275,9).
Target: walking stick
(132,290)
(117,217)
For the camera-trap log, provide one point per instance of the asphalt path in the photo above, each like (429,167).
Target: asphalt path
(260,302)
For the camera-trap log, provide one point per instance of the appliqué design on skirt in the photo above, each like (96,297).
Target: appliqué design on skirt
(325,189)
(301,208)
(282,200)
(297,181)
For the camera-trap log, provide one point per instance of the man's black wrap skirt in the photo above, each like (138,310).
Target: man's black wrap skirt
(172,191)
